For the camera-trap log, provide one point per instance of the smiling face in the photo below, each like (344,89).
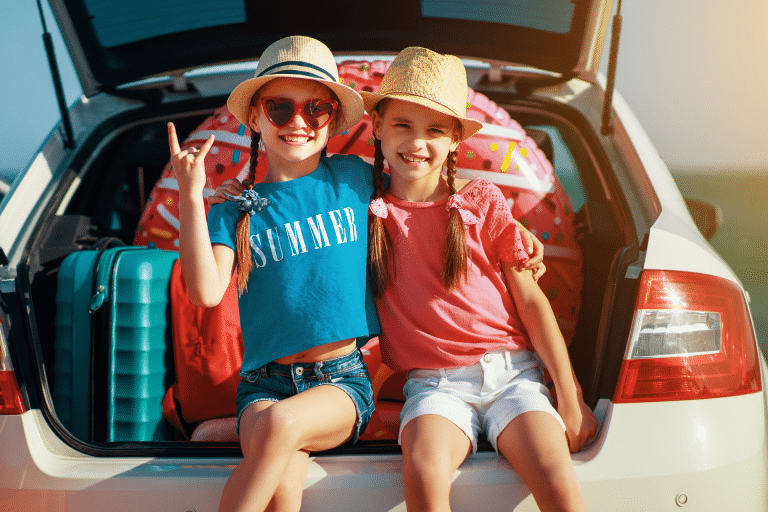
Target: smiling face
(415,141)
(293,150)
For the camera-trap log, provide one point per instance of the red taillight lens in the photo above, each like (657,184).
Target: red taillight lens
(691,338)
(10,396)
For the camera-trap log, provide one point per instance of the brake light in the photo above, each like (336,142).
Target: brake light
(691,338)
(10,396)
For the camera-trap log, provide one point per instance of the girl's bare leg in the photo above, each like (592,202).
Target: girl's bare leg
(318,419)
(535,444)
(287,497)
(433,448)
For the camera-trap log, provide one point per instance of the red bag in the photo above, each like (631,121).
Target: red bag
(207,353)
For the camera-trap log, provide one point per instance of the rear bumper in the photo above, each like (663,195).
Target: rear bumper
(712,454)
(698,454)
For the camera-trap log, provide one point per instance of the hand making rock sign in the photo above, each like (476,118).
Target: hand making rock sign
(188,164)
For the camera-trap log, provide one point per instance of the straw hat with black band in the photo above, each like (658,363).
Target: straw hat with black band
(304,58)
(430,79)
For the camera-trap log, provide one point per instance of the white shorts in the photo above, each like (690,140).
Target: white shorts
(484,397)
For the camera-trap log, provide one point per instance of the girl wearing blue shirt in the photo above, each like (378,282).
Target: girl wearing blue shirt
(298,241)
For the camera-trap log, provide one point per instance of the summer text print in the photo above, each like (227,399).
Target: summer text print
(293,234)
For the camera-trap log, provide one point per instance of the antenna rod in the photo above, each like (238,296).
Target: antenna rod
(607,127)
(69,139)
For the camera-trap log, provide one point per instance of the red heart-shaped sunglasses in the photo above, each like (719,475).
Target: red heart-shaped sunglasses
(316,113)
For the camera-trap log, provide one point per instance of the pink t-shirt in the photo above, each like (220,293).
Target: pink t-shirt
(425,326)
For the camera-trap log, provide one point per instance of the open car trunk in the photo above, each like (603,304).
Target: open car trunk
(108,190)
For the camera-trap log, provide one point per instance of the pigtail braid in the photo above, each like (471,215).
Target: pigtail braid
(379,242)
(244,261)
(456,250)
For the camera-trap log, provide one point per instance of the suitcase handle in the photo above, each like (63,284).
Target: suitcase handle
(103,275)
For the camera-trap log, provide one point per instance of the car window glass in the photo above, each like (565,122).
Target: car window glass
(565,166)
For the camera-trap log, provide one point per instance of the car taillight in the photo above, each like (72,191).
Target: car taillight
(10,396)
(691,338)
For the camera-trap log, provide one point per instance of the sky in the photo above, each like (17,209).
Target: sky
(693,71)
(27,100)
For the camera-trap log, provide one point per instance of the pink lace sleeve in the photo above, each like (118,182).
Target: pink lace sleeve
(511,245)
(499,225)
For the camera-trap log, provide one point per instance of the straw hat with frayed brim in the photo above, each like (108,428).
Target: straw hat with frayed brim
(430,79)
(304,58)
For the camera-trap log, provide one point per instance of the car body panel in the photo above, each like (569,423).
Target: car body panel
(671,231)
(18,210)
(619,470)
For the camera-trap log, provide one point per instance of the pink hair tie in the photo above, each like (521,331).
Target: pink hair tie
(379,208)
(456,202)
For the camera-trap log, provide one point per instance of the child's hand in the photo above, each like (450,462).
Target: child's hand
(535,250)
(188,165)
(232,187)
(580,424)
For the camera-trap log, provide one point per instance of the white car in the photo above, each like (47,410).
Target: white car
(662,337)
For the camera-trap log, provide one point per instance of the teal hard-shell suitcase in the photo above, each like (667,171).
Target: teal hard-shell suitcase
(112,360)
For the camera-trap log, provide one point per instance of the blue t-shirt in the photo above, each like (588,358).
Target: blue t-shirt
(309,284)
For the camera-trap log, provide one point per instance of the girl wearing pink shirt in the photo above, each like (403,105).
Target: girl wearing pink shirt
(456,311)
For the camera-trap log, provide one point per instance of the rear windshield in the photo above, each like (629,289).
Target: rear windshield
(547,15)
(116,23)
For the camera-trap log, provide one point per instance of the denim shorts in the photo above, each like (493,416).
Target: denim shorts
(274,382)
(484,397)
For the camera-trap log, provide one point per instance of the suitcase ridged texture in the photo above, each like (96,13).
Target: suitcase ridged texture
(72,347)
(140,330)
(133,339)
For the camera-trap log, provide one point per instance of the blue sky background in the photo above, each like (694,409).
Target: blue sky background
(28,105)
